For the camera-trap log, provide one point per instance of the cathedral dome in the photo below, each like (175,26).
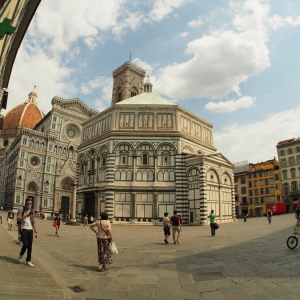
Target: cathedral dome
(24,115)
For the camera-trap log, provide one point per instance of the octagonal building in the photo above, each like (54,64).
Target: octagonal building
(146,155)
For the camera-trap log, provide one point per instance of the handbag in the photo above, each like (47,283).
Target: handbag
(113,248)
(54,224)
(216,226)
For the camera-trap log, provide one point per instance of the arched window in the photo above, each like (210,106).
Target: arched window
(92,164)
(145,159)
(286,188)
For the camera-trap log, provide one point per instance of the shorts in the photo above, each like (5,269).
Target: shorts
(10,221)
(175,229)
(167,230)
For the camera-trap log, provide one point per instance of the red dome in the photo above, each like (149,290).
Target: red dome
(23,115)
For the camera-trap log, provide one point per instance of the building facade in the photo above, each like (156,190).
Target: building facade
(146,155)
(241,171)
(289,158)
(258,187)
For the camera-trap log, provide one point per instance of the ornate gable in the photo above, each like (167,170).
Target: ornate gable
(74,104)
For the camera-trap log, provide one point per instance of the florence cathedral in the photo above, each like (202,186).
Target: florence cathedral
(141,157)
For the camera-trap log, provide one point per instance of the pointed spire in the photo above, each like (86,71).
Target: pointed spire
(148,85)
(32,96)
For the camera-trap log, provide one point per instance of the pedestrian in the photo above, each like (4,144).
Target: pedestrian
(212,221)
(57,219)
(28,225)
(104,237)
(45,216)
(176,227)
(166,227)
(91,219)
(86,221)
(269,215)
(10,219)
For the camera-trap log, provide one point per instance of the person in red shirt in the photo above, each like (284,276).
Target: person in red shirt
(176,227)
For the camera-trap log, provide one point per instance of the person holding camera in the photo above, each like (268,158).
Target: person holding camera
(27,226)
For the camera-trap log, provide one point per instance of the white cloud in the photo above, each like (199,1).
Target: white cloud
(195,23)
(278,21)
(230,105)
(35,67)
(184,34)
(222,60)
(72,20)
(162,8)
(257,141)
(103,87)
(143,65)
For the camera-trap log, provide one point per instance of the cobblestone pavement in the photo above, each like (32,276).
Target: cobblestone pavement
(245,260)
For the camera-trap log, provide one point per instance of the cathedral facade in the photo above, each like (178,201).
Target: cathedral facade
(39,154)
(142,156)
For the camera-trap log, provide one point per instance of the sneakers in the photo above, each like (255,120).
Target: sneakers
(30,264)
(20,259)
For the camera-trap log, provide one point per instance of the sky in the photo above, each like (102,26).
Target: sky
(233,63)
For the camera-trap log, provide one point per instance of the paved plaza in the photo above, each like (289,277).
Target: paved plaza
(245,260)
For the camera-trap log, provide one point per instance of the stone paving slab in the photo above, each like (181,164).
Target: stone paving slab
(19,281)
(245,260)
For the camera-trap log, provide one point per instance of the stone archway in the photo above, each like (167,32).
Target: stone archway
(32,193)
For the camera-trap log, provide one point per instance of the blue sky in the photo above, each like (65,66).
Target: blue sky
(234,63)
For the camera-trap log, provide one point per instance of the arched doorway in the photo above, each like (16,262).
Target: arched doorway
(89,205)
(32,190)
(64,205)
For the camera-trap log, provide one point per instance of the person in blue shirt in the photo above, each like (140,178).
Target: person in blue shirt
(212,218)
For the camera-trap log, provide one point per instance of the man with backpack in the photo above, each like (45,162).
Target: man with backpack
(28,228)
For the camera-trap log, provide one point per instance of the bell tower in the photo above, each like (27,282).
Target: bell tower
(128,82)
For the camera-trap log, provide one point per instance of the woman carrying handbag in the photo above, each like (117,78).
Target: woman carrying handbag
(104,238)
